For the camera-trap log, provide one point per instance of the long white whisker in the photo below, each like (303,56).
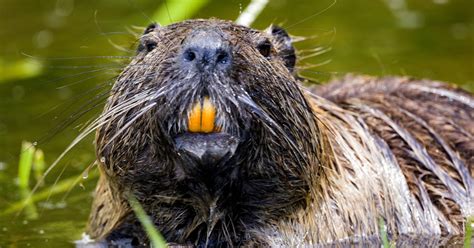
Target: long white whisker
(142,112)
(100,121)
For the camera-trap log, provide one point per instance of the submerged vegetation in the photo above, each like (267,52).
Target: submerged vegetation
(32,161)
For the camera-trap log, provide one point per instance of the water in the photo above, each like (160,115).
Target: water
(430,39)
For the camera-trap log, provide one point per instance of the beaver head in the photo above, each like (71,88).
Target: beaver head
(209,129)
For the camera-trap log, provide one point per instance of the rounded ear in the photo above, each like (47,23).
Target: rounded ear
(284,46)
(151,28)
(147,43)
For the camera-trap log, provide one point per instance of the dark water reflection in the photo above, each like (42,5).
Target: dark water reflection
(431,39)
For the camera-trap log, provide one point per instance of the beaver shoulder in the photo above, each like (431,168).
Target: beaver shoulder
(403,151)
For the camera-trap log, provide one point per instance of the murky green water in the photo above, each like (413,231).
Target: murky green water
(431,39)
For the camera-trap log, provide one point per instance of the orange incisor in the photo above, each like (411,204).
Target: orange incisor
(202,117)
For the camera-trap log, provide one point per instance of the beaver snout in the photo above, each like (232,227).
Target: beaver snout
(205,51)
(204,141)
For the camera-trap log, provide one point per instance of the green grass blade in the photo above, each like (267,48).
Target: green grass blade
(177,10)
(383,233)
(25,164)
(30,210)
(468,232)
(38,164)
(156,240)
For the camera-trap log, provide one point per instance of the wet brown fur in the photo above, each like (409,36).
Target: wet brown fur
(395,148)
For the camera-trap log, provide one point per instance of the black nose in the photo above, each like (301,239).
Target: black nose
(206,50)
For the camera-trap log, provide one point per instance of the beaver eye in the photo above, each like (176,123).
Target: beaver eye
(265,48)
(148,45)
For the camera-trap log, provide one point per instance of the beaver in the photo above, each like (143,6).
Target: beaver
(214,133)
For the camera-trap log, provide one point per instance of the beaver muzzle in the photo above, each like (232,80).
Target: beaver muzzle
(204,141)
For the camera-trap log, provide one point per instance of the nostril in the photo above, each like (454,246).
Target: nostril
(189,55)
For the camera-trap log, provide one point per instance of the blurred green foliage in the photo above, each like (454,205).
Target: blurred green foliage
(175,11)
(21,69)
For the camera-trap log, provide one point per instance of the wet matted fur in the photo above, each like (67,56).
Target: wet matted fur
(314,164)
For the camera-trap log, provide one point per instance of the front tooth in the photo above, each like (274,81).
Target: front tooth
(208,116)
(194,119)
(202,117)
